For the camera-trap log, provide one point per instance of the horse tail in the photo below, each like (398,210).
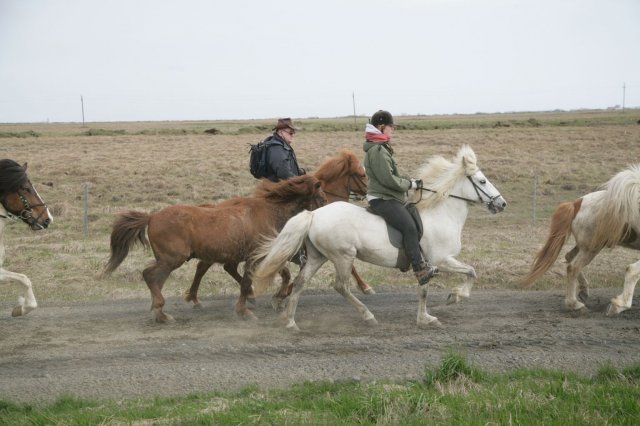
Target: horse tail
(617,209)
(128,229)
(274,253)
(559,230)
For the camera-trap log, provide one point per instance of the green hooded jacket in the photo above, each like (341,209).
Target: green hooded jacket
(384,180)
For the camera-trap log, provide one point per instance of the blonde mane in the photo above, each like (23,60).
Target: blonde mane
(440,175)
(618,209)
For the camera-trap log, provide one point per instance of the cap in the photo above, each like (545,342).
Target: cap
(382,117)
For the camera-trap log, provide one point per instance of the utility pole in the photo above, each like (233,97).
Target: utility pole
(82,104)
(355,125)
(624,87)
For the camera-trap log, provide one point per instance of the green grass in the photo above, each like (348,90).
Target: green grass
(454,393)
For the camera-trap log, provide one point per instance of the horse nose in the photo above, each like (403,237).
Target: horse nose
(46,223)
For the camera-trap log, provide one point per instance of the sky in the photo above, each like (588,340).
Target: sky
(139,60)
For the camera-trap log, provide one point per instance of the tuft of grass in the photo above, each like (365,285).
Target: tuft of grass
(453,366)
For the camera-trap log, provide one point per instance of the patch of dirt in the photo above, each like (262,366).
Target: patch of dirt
(113,350)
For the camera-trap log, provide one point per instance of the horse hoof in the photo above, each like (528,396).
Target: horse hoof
(613,310)
(453,299)
(368,290)
(278,304)
(430,324)
(293,327)
(17,311)
(583,296)
(197,305)
(371,322)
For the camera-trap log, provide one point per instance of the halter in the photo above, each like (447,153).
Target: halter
(458,197)
(350,194)
(26,215)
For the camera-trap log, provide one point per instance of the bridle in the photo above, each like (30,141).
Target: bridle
(350,194)
(489,199)
(26,214)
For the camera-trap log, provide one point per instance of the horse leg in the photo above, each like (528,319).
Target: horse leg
(363,286)
(574,268)
(26,303)
(232,269)
(583,294)
(341,284)
(314,261)
(246,291)
(192,294)
(424,319)
(286,287)
(623,301)
(155,277)
(451,264)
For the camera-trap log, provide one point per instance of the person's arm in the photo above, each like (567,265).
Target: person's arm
(383,165)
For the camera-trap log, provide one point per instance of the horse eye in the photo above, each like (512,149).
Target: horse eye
(483,181)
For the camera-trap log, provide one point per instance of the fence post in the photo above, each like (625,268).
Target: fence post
(535,198)
(86,210)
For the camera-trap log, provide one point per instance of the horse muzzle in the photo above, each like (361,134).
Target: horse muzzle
(497,204)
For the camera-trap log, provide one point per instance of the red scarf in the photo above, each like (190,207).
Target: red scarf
(372,134)
(377,137)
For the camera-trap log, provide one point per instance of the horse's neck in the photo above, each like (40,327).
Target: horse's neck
(452,210)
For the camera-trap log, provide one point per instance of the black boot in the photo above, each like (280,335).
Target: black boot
(425,273)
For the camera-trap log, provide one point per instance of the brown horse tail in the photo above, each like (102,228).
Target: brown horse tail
(559,230)
(128,229)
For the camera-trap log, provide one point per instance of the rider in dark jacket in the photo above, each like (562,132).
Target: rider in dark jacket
(281,158)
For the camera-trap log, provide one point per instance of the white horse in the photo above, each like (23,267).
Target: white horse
(20,200)
(341,232)
(600,219)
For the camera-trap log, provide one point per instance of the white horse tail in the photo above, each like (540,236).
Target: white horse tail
(276,252)
(559,231)
(617,209)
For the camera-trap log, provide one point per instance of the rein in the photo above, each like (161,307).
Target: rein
(350,194)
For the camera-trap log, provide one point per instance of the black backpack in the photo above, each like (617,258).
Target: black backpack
(258,158)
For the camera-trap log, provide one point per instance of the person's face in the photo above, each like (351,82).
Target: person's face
(388,130)
(287,135)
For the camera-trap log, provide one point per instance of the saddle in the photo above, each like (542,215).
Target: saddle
(395,237)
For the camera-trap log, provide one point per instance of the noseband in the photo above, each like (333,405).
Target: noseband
(350,194)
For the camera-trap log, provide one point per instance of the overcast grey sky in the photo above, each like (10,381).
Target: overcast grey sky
(208,59)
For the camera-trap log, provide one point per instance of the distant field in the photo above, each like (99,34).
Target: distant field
(150,165)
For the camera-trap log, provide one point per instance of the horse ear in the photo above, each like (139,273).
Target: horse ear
(25,166)
(317,185)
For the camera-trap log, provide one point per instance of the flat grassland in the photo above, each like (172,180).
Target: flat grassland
(149,165)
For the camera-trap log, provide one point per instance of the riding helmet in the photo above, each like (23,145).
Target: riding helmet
(382,117)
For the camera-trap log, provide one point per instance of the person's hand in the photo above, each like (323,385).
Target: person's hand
(416,183)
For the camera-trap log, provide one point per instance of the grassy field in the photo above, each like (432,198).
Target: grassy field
(454,393)
(149,166)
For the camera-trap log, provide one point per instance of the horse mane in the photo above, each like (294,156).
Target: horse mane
(336,166)
(440,175)
(617,210)
(286,190)
(12,176)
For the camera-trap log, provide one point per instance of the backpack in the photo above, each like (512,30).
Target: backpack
(258,159)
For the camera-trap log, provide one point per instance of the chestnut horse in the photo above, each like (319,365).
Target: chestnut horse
(20,200)
(342,177)
(600,219)
(224,233)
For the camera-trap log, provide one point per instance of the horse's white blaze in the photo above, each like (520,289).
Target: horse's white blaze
(47,207)
(341,232)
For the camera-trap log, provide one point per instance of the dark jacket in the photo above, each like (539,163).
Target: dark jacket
(281,160)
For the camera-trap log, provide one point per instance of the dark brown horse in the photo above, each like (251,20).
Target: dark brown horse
(19,200)
(224,233)
(342,177)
